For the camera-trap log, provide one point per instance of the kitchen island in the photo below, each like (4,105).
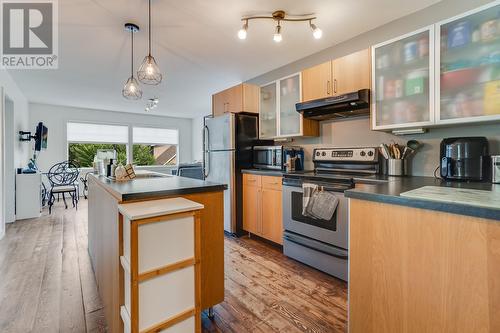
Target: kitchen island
(105,238)
(421,263)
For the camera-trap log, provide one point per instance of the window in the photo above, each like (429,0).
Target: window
(85,139)
(155,146)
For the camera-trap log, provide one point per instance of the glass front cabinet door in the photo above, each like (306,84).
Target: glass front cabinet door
(289,119)
(468,66)
(402,77)
(267,113)
(278,115)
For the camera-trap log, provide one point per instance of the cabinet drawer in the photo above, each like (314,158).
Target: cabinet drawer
(252,180)
(271,182)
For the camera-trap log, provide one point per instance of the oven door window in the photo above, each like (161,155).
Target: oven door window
(297,216)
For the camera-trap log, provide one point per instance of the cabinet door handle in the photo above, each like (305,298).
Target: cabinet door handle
(335,86)
(328,83)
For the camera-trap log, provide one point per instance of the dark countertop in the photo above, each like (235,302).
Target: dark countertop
(159,186)
(389,192)
(274,173)
(308,174)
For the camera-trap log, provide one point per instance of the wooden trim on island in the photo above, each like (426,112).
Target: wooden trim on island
(167,269)
(170,322)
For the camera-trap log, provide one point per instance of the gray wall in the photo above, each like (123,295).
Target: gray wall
(357,132)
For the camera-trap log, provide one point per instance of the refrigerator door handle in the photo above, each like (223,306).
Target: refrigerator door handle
(206,146)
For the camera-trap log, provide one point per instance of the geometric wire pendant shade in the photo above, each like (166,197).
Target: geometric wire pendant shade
(132,90)
(149,72)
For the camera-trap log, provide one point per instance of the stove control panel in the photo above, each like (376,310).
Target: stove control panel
(369,154)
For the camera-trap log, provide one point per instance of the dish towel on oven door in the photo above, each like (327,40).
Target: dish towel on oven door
(317,203)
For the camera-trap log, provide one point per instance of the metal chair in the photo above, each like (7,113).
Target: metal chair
(84,181)
(63,179)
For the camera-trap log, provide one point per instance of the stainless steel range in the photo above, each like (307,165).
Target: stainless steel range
(320,243)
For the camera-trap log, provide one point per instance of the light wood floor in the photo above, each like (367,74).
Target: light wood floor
(47,284)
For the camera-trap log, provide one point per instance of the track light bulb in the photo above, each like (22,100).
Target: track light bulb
(242,33)
(317,33)
(277,37)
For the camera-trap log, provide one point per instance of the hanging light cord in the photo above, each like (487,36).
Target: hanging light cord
(132,52)
(149,27)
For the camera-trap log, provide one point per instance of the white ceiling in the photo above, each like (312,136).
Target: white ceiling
(195,44)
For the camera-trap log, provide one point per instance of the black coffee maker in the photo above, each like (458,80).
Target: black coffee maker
(465,159)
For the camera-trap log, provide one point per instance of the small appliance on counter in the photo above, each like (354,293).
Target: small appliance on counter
(495,169)
(465,159)
(276,158)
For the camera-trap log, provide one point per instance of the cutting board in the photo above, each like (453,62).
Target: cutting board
(477,198)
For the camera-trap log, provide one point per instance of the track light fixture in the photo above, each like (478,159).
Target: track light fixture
(152,104)
(317,33)
(279,16)
(277,34)
(242,33)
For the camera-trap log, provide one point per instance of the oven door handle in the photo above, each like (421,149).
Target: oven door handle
(315,245)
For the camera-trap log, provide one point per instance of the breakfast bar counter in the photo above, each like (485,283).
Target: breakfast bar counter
(106,196)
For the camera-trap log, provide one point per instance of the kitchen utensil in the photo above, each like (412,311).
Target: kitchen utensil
(396,152)
(413,144)
(384,151)
(407,152)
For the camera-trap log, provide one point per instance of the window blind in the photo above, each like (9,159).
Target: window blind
(96,133)
(150,136)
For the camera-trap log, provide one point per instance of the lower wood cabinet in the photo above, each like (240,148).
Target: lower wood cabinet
(262,207)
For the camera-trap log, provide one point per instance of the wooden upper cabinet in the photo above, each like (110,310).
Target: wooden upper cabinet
(317,82)
(241,98)
(337,77)
(352,72)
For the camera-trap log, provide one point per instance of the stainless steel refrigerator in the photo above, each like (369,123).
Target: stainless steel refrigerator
(227,148)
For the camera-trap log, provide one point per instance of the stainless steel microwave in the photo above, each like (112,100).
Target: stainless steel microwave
(268,157)
(275,157)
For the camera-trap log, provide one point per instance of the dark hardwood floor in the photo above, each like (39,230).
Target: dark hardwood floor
(47,284)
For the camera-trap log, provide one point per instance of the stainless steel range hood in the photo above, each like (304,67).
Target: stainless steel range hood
(355,104)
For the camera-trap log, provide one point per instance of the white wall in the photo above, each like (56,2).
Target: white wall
(10,177)
(56,117)
(18,153)
(357,132)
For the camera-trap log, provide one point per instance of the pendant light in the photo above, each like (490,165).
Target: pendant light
(149,72)
(132,90)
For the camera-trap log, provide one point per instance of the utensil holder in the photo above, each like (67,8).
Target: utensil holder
(396,167)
